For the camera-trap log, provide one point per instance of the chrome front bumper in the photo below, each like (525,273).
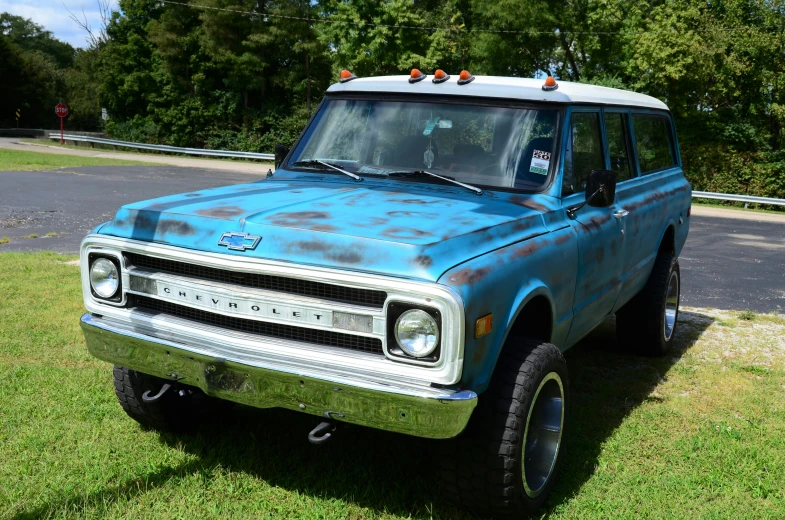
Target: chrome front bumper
(414,410)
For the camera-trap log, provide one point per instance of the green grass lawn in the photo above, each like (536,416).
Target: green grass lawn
(700,433)
(16,160)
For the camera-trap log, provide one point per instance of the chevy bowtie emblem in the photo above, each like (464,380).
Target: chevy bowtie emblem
(239,241)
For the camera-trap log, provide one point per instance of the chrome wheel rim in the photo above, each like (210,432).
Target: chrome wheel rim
(671,305)
(543,433)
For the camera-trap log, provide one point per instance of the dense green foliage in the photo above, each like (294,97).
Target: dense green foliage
(246,74)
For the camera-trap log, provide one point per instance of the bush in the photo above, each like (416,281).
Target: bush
(136,130)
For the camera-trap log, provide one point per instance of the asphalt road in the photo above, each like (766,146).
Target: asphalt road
(71,202)
(734,263)
(728,263)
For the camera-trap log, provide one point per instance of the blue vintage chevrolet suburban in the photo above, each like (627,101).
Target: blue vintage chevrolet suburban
(418,262)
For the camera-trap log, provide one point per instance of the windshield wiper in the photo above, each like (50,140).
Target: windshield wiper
(410,173)
(314,162)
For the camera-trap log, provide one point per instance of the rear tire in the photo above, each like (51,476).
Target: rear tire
(647,323)
(181,408)
(505,462)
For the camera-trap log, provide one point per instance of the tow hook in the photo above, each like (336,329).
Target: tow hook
(148,399)
(324,429)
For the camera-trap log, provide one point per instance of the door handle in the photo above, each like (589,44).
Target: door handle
(621,213)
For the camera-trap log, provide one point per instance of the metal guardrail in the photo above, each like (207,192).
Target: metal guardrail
(749,199)
(165,148)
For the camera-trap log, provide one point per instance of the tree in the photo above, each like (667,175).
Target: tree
(30,36)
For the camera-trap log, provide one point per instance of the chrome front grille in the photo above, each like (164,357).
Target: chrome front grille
(337,293)
(301,318)
(261,328)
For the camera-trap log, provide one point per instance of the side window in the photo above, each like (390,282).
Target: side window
(616,129)
(584,151)
(653,142)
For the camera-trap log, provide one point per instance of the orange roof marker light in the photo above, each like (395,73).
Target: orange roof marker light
(440,76)
(416,76)
(465,77)
(347,76)
(550,84)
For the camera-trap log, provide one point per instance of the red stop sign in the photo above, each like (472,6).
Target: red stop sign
(61,110)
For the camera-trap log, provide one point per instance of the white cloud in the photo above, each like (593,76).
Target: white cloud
(53,16)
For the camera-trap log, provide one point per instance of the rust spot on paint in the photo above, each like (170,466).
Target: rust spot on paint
(480,348)
(420,201)
(353,200)
(423,260)
(324,227)
(595,223)
(655,197)
(298,218)
(528,248)
(143,222)
(371,222)
(564,238)
(527,202)
(469,276)
(175,227)
(341,255)
(222,212)
(411,214)
(405,233)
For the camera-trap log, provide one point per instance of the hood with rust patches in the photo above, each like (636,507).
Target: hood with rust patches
(370,226)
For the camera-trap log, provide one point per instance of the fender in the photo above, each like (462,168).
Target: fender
(501,283)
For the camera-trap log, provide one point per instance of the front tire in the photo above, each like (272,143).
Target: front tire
(505,462)
(647,323)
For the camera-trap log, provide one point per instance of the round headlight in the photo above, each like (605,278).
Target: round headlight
(104,278)
(417,333)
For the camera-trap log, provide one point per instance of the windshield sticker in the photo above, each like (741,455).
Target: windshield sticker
(540,162)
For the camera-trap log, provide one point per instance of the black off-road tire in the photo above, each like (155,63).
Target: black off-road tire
(182,408)
(482,468)
(640,324)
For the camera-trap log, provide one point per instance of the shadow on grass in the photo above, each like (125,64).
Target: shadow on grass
(393,473)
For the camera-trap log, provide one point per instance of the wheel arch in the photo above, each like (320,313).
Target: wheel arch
(668,239)
(533,317)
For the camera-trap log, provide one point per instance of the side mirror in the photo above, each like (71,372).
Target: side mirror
(281,152)
(600,191)
(601,188)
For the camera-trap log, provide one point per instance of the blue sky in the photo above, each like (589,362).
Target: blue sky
(53,15)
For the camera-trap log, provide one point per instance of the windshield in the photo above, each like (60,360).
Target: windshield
(491,146)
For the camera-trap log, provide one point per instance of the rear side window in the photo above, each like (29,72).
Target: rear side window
(653,142)
(616,128)
(584,152)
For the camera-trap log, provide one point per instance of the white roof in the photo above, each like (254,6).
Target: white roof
(502,87)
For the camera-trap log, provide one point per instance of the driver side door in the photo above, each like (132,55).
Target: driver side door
(600,231)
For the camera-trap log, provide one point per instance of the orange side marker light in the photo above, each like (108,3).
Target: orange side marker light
(483,326)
